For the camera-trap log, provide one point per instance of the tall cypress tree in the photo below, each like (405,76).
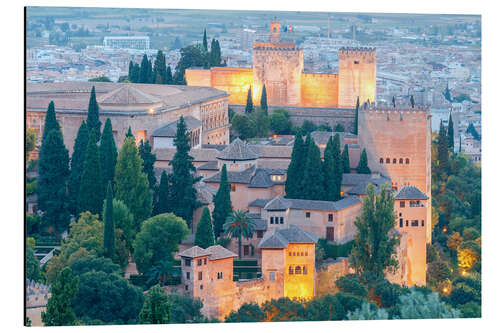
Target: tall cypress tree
(222,203)
(131,71)
(160,69)
(328,172)
(345,159)
(249,107)
(93,122)
(129,133)
(169,77)
(205,43)
(162,204)
(443,149)
(356,118)
(183,180)
(132,186)
(263,99)
(146,71)
(91,186)
(295,171)
(149,160)
(312,183)
(77,161)
(109,225)
(50,120)
(51,186)
(136,73)
(204,236)
(451,134)
(108,153)
(338,167)
(363,164)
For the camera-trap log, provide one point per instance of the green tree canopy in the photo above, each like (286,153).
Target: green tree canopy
(443,154)
(363,164)
(279,122)
(50,120)
(160,69)
(295,171)
(91,263)
(204,236)
(158,240)
(107,154)
(249,106)
(263,99)
(313,181)
(59,310)
(374,248)
(132,186)
(149,160)
(156,308)
(77,162)
(247,313)
(345,159)
(30,141)
(162,204)
(417,305)
(222,203)
(32,265)
(183,196)
(244,125)
(93,122)
(239,225)
(109,225)
(91,186)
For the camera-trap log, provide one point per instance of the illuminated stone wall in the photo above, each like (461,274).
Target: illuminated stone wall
(357,76)
(298,284)
(319,90)
(328,274)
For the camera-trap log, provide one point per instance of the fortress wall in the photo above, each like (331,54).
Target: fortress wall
(235,81)
(328,274)
(357,76)
(319,90)
(198,77)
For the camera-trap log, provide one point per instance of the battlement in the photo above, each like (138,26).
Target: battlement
(359,49)
(263,46)
(388,107)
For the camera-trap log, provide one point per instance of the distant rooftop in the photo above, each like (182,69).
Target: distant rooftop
(280,238)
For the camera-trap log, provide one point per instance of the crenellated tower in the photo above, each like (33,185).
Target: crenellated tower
(398,145)
(357,75)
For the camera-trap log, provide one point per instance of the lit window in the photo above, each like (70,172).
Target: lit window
(306,254)
(301,254)
(298,270)
(304,270)
(290,270)
(289,254)
(233,187)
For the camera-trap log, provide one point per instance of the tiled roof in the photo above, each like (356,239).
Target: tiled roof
(238,151)
(261,179)
(253,176)
(410,192)
(239,177)
(170,130)
(269,151)
(198,154)
(127,94)
(213,252)
(259,203)
(210,165)
(351,179)
(260,223)
(193,252)
(280,238)
(280,203)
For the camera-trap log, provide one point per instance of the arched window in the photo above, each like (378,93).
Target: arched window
(290,270)
(407,161)
(304,270)
(400,161)
(298,270)
(387,160)
(381,160)
(394,161)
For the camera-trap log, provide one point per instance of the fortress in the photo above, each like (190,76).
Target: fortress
(280,67)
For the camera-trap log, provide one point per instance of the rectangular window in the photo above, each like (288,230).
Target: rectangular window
(402,204)
(188,276)
(200,275)
(271,276)
(272,220)
(199,262)
(205,261)
(308,215)
(414,223)
(330,217)
(406,222)
(260,233)
(281,219)
(233,187)
(423,223)
(187,262)
(400,223)
(186,287)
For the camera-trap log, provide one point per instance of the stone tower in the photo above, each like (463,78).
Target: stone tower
(398,145)
(279,66)
(357,75)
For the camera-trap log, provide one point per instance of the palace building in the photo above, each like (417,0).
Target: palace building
(279,65)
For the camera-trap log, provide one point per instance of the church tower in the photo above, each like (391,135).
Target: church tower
(357,75)
(274,32)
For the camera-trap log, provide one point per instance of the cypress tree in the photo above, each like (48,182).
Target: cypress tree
(447,94)
(356,118)
(345,159)
(205,43)
(149,160)
(204,236)
(295,171)
(338,167)
(145,74)
(162,204)
(59,311)
(451,134)
(107,153)
(132,186)
(129,133)
(263,99)
(393,101)
(109,225)
(91,186)
(160,69)
(183,180)
(363,163)
(136,73)
(412,101)
(131,71)
(50,120)
(169,77)
(51,186)
(222,203)
(93,122)
(312,183)
(443,149)
(77,161)
(249,107)
(328,172)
